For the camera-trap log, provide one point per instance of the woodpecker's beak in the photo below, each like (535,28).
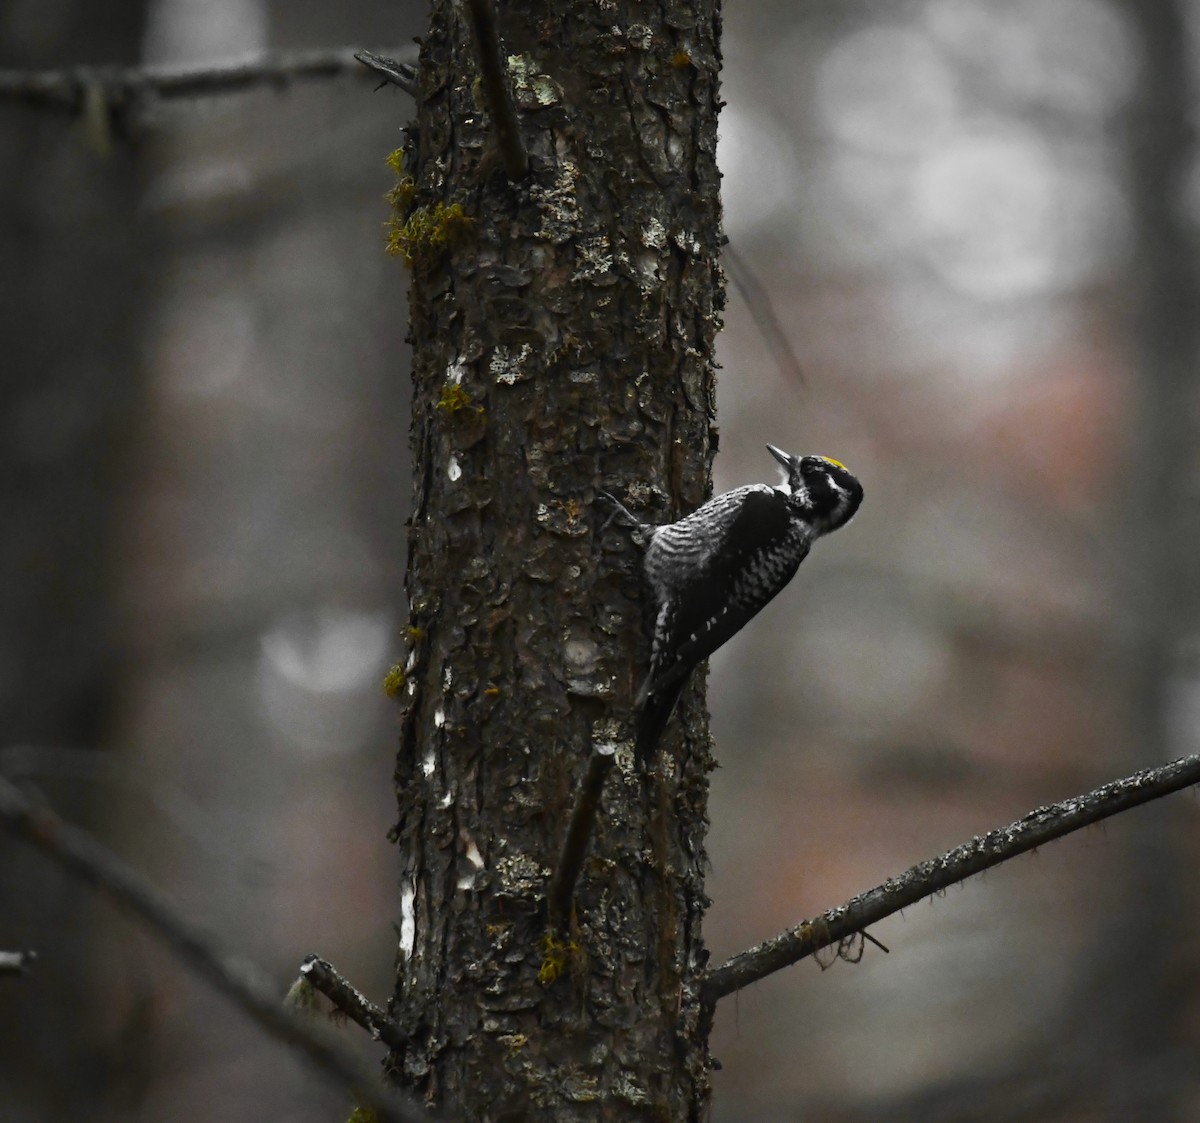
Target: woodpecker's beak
(782,457)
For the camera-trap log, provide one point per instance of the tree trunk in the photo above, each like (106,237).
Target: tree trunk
(70,312)
(563,339)
(1144,1041)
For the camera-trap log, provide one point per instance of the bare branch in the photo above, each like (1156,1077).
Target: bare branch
(1040,826)
(238,979)
(16,962)
(579,832)
(201,828)
(71,89)
(351,1001)
(397,73)
(496,91)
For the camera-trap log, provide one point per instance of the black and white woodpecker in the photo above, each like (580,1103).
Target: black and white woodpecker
(714,570)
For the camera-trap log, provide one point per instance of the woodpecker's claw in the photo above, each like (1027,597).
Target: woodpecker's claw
(618,511)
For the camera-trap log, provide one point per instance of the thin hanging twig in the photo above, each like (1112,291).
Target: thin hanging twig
(579,833)
(762,312)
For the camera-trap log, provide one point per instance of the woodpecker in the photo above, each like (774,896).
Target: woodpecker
(714,570)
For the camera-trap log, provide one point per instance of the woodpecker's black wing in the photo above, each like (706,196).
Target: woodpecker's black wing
(701,605)
(755,559)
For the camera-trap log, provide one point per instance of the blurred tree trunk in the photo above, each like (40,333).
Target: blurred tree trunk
(261,567)
(563,340)
(1148,1043)
(69,316)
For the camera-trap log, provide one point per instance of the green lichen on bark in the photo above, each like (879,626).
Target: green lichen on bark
(404,191)
(454,399)
(394,681)
(558,957)
(424,234)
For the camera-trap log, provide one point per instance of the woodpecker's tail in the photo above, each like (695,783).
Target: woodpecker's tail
(653,717)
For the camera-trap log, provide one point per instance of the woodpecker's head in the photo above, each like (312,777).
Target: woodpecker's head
(823,487)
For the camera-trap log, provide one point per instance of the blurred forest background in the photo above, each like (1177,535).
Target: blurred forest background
(976,219)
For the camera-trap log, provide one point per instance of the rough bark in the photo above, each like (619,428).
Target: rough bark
(563,341)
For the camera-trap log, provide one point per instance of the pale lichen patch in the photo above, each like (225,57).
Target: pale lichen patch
(531,88)
(521,875)
(558,205)
(595,259)
(640,36)
(654,234)
(687,241)
(507,367)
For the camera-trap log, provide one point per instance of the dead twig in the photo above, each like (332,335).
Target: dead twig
(349,1000)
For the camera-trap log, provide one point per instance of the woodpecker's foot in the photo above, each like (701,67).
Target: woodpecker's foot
(619,511)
